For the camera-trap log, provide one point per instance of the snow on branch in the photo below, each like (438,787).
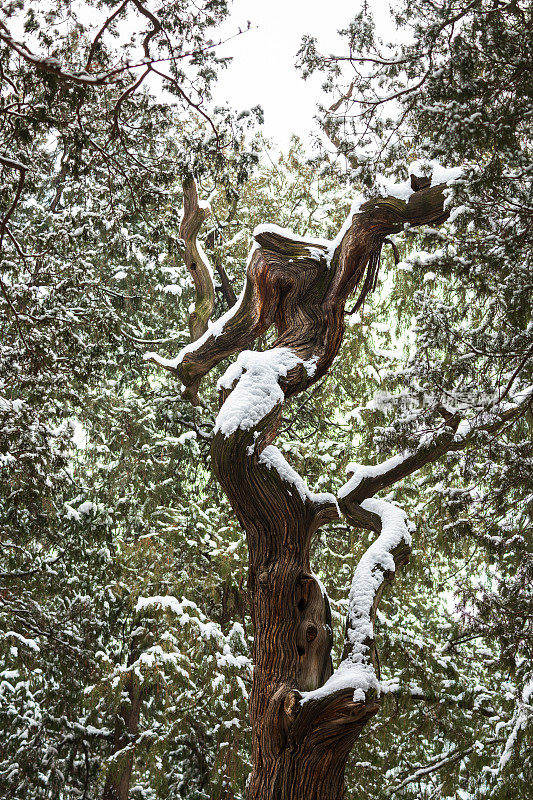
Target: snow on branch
(523,713)
(256,378)
(457,434)
(188,613)
(454,755)
(214,330)
(357,473)
(437,175)
(273,459)
(357,671)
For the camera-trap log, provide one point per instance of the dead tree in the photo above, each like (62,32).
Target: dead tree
(305,717)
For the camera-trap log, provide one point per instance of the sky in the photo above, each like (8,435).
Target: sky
(263,72)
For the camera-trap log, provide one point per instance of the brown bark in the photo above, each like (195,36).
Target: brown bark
(295,754)
(118,778)
(299,749)
(194,216)
(303,295)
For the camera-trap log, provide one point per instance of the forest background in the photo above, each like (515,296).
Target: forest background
(123,575)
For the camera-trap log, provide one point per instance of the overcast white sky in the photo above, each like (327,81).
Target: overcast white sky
(263,73)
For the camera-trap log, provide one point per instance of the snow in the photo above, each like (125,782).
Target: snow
(357,202)
(72,513)
(87,508)
(388,188)
(257,391)
(227,659)
(214,330)
(166,601)
(318,248)
(207,630)
(173,288)
(319,244)
(527,691)
(439,174)
(520,396)
(403,190)
(205,260)
(184,437)
(7,405)
(458,210)
(359,472)
(463,429)
(444,174)
(31,643)
(310,366)
(79,435)
(272,458)
(519,722)
(356,671)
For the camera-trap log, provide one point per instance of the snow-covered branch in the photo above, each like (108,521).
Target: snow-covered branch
(437,763)
(458,434)
(359,671)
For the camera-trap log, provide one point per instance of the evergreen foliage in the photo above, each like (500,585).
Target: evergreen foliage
(123,574)
(459,92)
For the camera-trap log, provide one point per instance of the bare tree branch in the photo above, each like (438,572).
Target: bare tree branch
(194,215)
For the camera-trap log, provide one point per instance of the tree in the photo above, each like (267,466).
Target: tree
(97,160)
(461,415)
(304,718)
(459,90)
(104,539)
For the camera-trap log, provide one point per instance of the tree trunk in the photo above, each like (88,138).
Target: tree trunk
(118,778)
(304,722)
(292,636)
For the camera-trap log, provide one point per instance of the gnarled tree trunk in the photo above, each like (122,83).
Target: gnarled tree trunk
(305,718)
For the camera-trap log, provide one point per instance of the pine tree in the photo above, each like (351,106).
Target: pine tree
(91,255)
(459,92)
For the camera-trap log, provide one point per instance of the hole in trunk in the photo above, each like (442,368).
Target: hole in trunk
(300,650)
(301,604)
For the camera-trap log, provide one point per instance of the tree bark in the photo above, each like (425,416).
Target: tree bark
(302,729)
(118,778)
(194,215)
(292,635)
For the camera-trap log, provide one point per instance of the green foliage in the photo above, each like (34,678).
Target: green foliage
(123,568)
(104,481)
(458,341)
